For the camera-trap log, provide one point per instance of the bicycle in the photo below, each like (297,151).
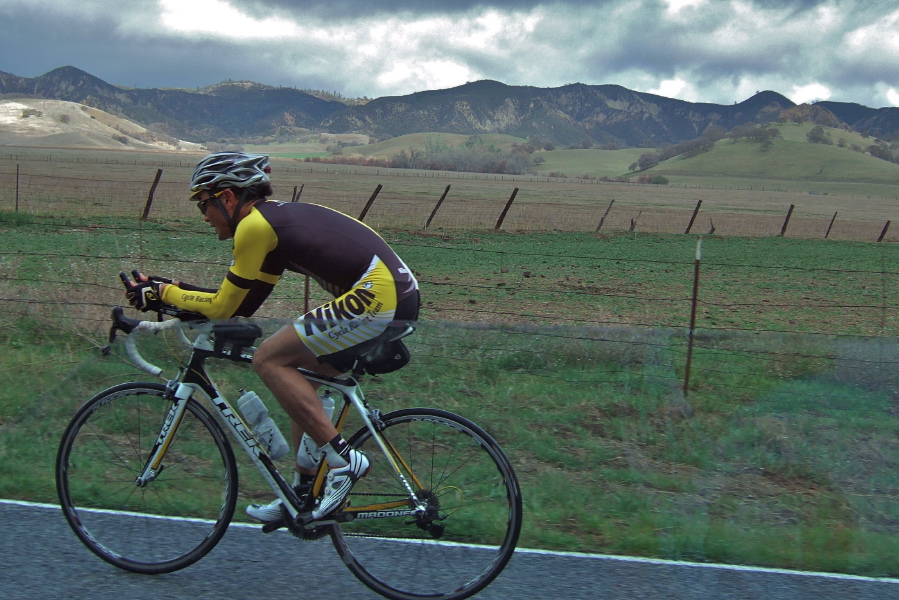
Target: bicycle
(147,477)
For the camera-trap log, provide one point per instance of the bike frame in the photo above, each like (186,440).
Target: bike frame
(194,378)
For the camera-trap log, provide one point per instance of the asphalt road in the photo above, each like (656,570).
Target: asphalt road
(41,558)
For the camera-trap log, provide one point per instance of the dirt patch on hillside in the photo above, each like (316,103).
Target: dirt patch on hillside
(59,124)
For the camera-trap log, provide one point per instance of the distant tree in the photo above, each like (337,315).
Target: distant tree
(713,133)
(647,160)
(881,151)
(817,135)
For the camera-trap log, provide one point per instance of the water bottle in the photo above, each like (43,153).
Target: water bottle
(264,428)
(309,454)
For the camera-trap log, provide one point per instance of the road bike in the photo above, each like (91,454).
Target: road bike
(147,477)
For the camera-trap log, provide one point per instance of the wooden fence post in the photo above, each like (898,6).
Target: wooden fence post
(829,227)
(884,232)
(370,202)
(439,202)
(150,195)
(17,188)
(603,219)
(783,229)
(693,218)
(634,221)
(502,216)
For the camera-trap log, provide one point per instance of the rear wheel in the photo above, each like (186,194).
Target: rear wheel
(468,532)
(166,524)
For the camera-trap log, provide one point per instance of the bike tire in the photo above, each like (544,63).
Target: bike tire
(171,522)
(474,500)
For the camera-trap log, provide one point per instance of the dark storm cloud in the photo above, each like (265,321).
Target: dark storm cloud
(701,50)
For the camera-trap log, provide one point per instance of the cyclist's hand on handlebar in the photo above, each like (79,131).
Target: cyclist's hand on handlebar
(140,278)
(145,295)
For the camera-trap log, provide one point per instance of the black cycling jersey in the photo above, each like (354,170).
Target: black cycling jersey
(334,249)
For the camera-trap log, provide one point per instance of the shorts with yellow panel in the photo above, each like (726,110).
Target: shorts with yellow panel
(338,331)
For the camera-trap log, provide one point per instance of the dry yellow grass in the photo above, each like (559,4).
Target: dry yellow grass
(104,183)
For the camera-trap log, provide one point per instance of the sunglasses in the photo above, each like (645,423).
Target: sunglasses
(203,204)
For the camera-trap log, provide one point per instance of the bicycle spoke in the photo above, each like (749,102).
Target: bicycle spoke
(143,528)
(473,518)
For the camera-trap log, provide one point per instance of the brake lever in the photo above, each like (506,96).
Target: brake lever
(119,322)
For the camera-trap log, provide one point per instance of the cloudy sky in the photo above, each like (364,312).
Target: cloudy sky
(719,51)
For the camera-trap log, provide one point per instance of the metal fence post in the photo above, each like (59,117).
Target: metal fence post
(693,304)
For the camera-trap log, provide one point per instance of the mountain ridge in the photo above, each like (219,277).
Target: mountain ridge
(605,115)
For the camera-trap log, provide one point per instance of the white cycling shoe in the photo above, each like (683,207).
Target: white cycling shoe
(270,512)
(339,483)
(266,513)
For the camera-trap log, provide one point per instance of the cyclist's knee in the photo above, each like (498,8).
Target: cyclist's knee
(283,349)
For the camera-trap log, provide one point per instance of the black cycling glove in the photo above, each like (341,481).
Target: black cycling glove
(145,296)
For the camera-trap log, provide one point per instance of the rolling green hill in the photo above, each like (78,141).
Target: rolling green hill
(792,158)
(730,163)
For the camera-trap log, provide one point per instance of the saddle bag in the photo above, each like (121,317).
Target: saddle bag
(386,358)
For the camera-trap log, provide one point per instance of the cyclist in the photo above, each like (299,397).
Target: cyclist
(372,287)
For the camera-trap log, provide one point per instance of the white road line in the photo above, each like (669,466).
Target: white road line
(628,559)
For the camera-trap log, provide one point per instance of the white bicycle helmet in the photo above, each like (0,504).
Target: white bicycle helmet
(229,169)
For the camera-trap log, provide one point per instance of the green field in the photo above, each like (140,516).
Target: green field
(766,438)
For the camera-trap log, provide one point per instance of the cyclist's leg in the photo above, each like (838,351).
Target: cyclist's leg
(276,362)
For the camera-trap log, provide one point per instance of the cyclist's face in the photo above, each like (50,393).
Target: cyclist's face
(213,213)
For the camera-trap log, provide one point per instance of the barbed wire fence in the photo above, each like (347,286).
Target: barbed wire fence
(439,200)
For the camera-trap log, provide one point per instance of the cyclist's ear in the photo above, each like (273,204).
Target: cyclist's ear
(228,198)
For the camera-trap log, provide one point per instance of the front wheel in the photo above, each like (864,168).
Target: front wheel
(469,529)
(165,524)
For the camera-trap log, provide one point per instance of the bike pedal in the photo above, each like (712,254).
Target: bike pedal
(304,519)
(274,526)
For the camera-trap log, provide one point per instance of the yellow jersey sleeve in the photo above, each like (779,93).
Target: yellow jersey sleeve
(254,238)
